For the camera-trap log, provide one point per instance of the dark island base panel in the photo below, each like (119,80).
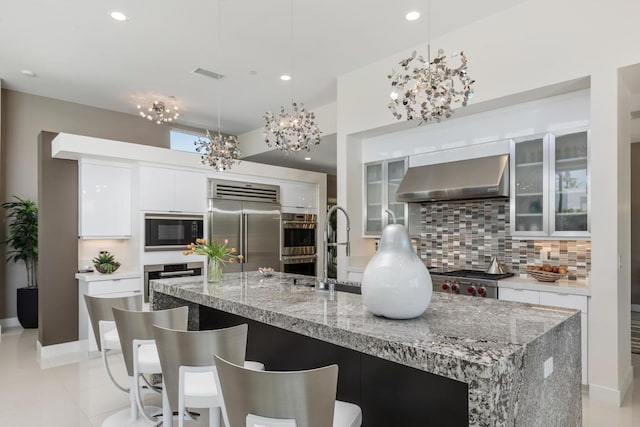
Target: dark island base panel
(389,394)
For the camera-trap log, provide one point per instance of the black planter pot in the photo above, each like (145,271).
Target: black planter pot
(28,307)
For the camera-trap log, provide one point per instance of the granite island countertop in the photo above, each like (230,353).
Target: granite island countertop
(488,344)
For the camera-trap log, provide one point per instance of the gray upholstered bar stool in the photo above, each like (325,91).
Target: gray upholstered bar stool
(188,367)
(104,327)
(135,329)
(283,399)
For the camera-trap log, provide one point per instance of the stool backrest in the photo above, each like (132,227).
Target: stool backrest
(196,349)
(100,308)
(138,325)
(308,397)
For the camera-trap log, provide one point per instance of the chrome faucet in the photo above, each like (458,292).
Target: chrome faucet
(323,284)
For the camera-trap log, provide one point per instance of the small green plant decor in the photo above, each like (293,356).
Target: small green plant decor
(218,253)
(22,235)
(105,263)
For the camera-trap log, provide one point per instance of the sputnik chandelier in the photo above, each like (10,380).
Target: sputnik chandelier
(159,112)
(219,151)
(428,89)
(294,130)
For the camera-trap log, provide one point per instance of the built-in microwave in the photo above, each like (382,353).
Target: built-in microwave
(171,232)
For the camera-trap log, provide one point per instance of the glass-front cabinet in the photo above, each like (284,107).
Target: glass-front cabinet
(382,180)
(550,185)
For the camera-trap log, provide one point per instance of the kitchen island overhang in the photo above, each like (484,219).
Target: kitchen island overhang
(496,348)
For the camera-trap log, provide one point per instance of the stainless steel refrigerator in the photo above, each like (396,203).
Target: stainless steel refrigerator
(249,216)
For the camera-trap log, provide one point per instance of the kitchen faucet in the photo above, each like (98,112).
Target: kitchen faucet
(322,284)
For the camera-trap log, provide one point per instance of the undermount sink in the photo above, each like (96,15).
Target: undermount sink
(338,286)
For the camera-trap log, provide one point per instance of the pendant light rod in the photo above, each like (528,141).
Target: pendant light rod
(218,89)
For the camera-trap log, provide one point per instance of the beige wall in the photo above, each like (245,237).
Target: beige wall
(23,117)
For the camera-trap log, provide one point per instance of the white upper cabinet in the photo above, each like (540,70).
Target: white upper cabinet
(172,190)
(104,200)
(298,197)
(550,186)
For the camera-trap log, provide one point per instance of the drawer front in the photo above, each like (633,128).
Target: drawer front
(577,302)
(519,295)
(114,286)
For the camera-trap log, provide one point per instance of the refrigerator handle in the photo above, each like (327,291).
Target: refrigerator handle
(281,238)
(245,242)
(241,250)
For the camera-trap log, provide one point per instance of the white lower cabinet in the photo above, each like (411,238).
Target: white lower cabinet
(116,287)
(576,302)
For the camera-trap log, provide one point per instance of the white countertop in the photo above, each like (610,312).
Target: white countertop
(96,277)
(562,286)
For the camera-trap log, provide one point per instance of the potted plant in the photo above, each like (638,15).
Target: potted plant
(22,245)
(218,254)
(105,263)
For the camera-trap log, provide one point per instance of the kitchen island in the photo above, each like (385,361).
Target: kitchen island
(465,361)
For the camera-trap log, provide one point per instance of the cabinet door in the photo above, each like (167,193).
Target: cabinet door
(519,295)
(105,201)
(529,187)
(374,187)
(190,192)
(395,173)
(156,189)
(570,185)
(299,195)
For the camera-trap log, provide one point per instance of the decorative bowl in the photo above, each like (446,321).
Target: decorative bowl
(545,276)
(266,271)
(101,269)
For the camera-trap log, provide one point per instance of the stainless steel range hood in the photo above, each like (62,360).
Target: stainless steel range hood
(480,178)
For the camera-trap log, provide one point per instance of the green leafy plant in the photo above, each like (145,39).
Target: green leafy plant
(106,263)
(214,250)
(22,235)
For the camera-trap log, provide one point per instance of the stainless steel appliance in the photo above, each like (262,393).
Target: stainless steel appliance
(299,234)
(171,232)
(467,282)
(302,264)
(248,215)
(479,178)
(165,271)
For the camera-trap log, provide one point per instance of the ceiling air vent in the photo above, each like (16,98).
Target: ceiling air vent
(208,73)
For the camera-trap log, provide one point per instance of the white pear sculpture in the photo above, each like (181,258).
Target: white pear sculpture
(396,283)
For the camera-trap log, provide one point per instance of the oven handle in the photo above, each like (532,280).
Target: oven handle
(177,273)
(311,223)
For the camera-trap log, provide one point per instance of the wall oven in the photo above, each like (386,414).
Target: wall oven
(304,264)
(171,232)
(298,234)
(166,271)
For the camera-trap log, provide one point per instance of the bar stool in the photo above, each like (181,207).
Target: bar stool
(135,329)
(282,399)
(104,327)
(188,367)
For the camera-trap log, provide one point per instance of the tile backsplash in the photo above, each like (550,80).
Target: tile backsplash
(467,234)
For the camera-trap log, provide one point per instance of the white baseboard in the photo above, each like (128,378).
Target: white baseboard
(610,395)
(9,322)
(59,354)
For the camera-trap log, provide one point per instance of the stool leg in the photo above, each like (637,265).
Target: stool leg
(214,416)
(132,400)
(167,413)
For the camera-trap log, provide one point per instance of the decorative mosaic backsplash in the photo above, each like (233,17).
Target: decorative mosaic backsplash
(467,234)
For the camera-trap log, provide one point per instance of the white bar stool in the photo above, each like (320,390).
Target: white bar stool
(282,399)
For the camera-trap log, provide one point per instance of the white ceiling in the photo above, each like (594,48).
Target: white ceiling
(82,55)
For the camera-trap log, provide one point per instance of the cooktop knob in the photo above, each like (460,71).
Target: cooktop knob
(471,290)
(455,287)
(445,286)
(482,291)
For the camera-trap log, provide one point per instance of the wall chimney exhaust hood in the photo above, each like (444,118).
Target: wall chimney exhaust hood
(480,178)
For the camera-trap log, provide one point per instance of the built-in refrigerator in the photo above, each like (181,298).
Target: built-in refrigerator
(248,215)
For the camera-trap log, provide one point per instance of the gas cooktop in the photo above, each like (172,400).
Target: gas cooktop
(472,274)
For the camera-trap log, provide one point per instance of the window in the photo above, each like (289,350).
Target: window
(182,140)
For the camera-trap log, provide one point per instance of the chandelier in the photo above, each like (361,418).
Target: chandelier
(159,113)
(428,89)
(295,130)
(218,151)
(291,131)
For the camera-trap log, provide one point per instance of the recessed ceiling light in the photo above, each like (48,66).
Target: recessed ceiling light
(285,77)
(307,158)
(28,73)
(118,16)
(412,16)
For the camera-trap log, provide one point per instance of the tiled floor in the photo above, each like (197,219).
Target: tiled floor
(71,393)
